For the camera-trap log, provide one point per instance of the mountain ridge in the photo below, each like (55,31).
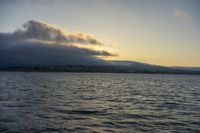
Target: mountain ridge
(112,66)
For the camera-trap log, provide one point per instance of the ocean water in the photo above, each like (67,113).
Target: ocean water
(99,103)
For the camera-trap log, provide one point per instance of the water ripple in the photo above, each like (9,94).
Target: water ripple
(98,103)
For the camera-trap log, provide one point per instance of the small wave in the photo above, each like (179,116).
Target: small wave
(81,112)
(10,119)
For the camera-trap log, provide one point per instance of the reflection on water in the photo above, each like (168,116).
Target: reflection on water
(94,102)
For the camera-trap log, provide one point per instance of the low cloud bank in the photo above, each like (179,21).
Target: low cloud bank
(40,43)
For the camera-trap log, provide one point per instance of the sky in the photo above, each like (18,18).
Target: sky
(162,32)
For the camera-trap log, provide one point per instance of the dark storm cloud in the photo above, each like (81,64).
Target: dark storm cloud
(42,44)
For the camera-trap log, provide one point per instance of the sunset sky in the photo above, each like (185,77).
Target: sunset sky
(163,32)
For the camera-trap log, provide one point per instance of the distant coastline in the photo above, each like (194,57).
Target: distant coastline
(100,69)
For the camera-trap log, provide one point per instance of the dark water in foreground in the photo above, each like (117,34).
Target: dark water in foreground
(94,102)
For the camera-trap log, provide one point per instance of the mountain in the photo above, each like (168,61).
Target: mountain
(149,68)
(108,67)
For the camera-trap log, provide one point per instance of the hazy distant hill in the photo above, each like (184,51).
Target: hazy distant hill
(110,66)
(188,68)
(149,68)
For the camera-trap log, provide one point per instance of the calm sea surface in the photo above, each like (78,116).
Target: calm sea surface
(98,102)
